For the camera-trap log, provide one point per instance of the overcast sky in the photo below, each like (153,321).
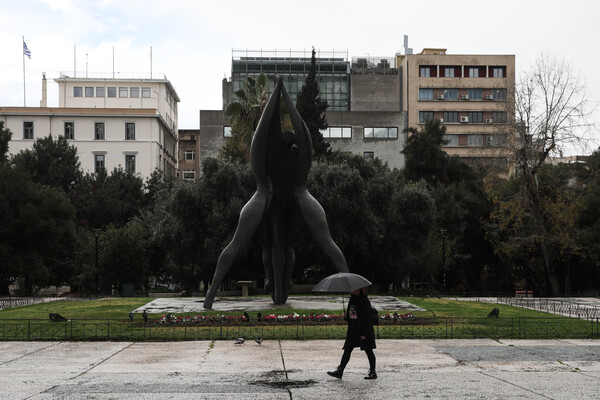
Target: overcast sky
(192,40)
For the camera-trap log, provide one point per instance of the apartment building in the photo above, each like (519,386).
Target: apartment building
(469,94)
(128,123)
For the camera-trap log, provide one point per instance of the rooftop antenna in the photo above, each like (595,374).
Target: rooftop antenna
(150,62)
(74,61)
(86,65)
(113,62)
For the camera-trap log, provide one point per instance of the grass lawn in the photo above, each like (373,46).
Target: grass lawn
(107,319)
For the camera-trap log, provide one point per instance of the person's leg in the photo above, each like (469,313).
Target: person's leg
(339,371)
(371,357)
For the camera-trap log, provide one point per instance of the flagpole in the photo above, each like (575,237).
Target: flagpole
(24,95)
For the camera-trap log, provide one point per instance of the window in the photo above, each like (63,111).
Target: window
(474,94)
(89,91)
(450,140)
(369,155)
(100,92)
(425,94)
(499,117)
(130,163)
(451,94)
(146,92)
(498,72)
(129,130)
(495,140)
(424,72)
(475,140)
(99,130)
(69,130)
(227,131)
(123,92)
(112,92)
(134,92)
(28,130)
(499,94)
(473,72)
(380,133)
(449,72)
(476,117)
(77,91)
(99,162)
(189,155)
(337,132)
(450,116)
(189,174)
(425,116)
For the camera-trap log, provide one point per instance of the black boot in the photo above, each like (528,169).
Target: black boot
(339,371)
(372,375)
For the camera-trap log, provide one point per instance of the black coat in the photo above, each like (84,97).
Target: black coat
(360,323)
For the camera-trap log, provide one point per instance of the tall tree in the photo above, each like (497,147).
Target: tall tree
(312,110)
(51,162)
(244,115)
(550,117)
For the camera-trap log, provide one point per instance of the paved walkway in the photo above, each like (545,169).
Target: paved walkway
(412,369)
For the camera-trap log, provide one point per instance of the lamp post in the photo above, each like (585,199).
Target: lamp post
(443,235)
(96,235)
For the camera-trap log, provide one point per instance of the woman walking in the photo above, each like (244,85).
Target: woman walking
(360,332)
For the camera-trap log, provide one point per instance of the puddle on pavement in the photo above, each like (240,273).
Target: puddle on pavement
(285,384)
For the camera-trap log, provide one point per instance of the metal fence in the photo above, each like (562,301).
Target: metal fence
(9,302)
(419,328)
(565,307)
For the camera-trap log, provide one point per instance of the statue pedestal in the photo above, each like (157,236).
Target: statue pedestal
(245,285)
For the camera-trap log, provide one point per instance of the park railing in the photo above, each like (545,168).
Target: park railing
(565,307)
(10,302)
(418,328)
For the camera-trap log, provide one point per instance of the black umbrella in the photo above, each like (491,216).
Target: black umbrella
(342,282)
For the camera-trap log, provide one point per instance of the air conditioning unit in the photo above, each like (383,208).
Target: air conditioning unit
(441,120)
(488,120)
(440,97)
(465,97)
(489,97)
(464,119)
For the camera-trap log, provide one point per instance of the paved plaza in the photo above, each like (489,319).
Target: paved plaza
(334,303)
(411,369)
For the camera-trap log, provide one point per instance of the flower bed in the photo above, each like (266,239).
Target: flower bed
(271,318)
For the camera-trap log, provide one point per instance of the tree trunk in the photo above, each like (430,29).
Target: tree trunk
(534,198)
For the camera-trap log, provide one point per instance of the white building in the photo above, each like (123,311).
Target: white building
(125,122)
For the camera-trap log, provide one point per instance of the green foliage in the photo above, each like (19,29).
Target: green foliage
(312,110)
(5,136)
(36,232)
(244,115)
(51,162)
(103,199)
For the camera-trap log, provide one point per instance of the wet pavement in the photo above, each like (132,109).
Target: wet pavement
(415,369)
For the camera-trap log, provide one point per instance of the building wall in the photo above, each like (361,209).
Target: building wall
(210,138)
(374,92)
(387,150)
(189,163)
(466,131)
(148,147)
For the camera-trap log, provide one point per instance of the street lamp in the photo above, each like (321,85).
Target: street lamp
(96,235)
(443,235)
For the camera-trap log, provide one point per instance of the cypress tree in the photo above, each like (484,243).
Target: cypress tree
(312,110)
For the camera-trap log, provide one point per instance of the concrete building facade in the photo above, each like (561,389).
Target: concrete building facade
(114,123)
(375,99)
(469,94)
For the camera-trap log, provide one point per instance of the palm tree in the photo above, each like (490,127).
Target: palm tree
(244,115)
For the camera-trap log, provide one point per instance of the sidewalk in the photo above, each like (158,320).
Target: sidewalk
(415,369)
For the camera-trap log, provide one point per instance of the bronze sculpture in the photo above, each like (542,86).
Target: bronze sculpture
(278,215)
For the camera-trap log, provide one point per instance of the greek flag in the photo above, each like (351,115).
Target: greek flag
(26,50)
